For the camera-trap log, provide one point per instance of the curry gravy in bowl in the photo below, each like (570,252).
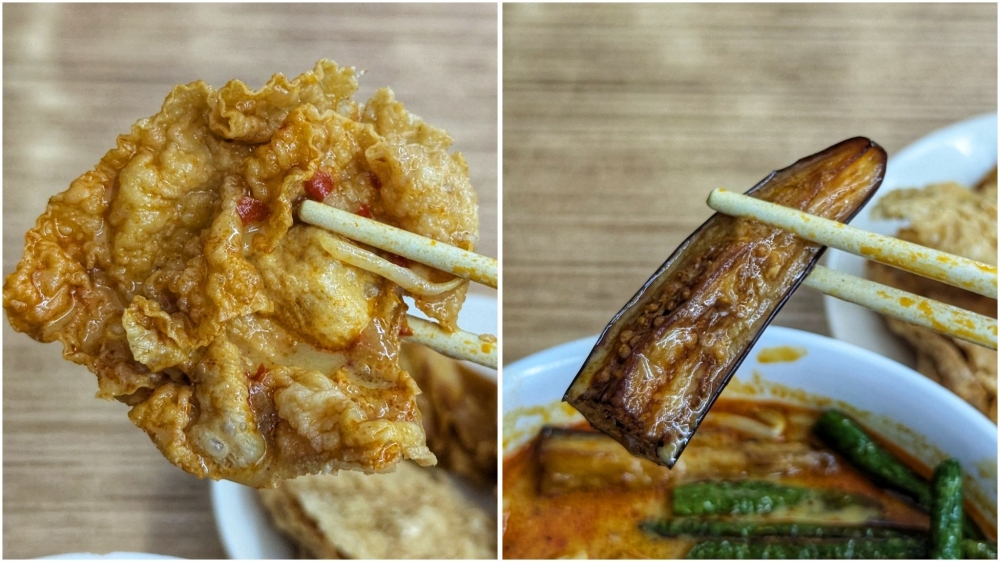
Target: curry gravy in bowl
(569,491)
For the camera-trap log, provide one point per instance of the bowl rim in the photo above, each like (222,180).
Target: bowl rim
(891,374)
(538,364)
(928,440)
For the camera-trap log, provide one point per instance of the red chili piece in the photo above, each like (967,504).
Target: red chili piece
(398,260)
(261,371)
(252,210)
(405,331)
(365,211)
(319,186)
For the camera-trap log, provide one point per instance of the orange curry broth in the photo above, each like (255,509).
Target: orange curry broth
(605,523)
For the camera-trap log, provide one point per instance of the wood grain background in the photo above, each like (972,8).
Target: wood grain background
(77,475)
(618,120)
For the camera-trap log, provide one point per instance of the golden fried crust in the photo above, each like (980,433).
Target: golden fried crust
(415,512)
(460,412)
(244,349)
(961,221)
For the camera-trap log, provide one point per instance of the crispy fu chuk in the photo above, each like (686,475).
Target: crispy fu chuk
(666,356)
(176,272)
(459,408)
(961,221)
(413,512)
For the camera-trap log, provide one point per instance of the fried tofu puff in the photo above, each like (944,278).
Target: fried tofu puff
(176,272)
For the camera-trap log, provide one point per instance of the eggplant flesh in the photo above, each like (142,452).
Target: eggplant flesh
(572,460)
(667,355)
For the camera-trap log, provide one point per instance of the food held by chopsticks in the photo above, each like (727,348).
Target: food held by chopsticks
(446,511)
(670,351)
(177,272)
(961,221)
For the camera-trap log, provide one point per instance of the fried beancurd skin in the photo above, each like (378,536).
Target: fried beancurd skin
(176,272)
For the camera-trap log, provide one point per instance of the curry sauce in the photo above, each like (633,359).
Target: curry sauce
(599,515)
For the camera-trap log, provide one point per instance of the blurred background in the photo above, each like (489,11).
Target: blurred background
(619,120)
(78,476)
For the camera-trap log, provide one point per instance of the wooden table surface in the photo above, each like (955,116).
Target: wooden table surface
(77,475)
(618,120)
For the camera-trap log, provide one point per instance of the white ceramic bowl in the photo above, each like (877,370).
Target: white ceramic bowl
(920,416)
(964,153)
(242,520)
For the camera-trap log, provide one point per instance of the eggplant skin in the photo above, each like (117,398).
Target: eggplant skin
(667,355)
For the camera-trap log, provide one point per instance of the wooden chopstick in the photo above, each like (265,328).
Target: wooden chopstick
(439,255)
(458,344)
(931,314)
(466,346)
(342,250)
(926,262)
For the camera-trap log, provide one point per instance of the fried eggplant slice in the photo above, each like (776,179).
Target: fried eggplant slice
(573,460)
(668,354)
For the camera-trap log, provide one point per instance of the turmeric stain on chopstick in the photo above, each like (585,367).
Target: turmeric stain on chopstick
(986,268)
(869,251)
(465,272)
(925,308)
